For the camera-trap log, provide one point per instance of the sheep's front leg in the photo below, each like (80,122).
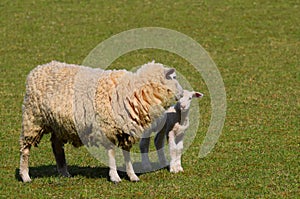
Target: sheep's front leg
(113,174)
(59,153)
(129,167)
(144,148)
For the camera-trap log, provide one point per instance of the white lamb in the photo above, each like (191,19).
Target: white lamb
(173,125)
(82,105)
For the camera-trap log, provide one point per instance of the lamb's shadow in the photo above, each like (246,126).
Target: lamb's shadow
(50,171)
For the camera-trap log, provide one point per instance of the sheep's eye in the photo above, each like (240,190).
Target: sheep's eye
(174,77)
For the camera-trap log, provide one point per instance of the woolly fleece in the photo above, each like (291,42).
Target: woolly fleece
(83,105)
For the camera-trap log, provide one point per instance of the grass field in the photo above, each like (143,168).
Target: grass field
(256,47)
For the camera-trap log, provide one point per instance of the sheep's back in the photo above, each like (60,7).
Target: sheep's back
(49,97)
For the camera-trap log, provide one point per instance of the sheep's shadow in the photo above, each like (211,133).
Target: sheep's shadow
(155,166)
(45,171)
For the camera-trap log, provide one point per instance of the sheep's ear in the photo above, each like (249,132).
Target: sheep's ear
(170,73)
(197,95)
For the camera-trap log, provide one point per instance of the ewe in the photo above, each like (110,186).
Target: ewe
(82,105)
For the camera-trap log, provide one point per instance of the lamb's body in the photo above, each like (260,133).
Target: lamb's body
(173,125)
(81,105)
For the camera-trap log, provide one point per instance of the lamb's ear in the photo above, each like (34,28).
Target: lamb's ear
(197,95)
(170,73)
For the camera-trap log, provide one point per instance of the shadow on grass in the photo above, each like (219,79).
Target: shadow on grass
(88,172)
(50,171)
(138,168)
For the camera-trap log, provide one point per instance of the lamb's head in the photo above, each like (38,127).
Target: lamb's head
(185,101)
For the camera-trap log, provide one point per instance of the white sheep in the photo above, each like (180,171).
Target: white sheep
(82,105)
(173,125)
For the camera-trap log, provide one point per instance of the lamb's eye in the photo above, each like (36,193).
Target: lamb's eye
(174,77)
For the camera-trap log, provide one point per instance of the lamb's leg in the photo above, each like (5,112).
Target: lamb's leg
(173,152)
(159,142)
(144,148)
(179,149)
(24,160)
(59,153)
(113,174)
(129,167)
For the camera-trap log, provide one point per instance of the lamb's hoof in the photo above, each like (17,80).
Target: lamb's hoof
(180,169)
(173,169)
(176,168)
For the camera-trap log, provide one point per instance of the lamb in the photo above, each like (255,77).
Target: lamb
(88,106)
(173,125)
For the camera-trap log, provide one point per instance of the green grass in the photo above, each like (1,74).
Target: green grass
(255,45)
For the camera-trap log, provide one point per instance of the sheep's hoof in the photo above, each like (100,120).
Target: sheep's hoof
(116,183)
(67,175)
(25,178)
(64,173)
(134,178)
(115,179)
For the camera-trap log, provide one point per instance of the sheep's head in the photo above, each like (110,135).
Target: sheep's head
(157,73)
(185,100)
(173,84)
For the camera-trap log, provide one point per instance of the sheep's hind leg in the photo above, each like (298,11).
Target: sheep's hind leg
(159,142)
(59,153)
(24,159)
(129,168)
(113,174)
(144,148)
